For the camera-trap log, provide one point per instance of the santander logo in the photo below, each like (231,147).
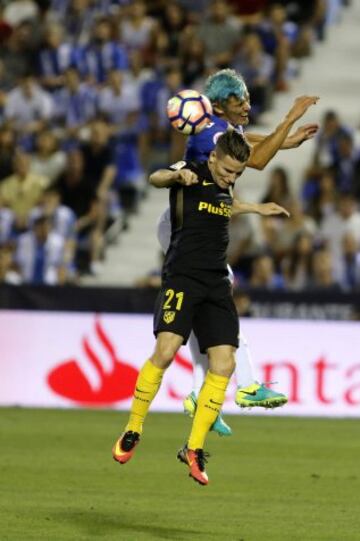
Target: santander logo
(100,380)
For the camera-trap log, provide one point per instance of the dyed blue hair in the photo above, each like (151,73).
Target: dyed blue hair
(223,84)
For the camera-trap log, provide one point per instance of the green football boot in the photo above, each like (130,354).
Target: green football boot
(189,404)
(258,395)
(219,426)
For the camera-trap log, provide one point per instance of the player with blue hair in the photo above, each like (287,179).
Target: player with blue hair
(220,86)
(230,99)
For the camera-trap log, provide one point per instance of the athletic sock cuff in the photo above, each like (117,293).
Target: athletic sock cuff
(220,382)
(152,373)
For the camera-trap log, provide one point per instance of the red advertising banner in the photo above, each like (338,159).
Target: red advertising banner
(87,360)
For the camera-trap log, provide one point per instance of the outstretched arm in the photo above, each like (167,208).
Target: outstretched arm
(266,148)
(264,209)
(165,178)
(294,140)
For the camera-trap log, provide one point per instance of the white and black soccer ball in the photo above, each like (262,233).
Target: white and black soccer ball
(189,111)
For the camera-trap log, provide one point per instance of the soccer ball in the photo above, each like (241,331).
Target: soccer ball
(189,112)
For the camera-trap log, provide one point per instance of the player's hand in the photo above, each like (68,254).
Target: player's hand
(272,209)
(300,106)
(304,133)
(186,177)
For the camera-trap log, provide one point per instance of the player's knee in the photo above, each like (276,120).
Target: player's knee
(164,354)
(223,365)
(227,367)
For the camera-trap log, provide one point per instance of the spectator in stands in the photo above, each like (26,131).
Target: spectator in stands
(309,16)
(75,104)
(328,140)
(275,33)
(130,176)
(40,255)
(62,220)
(257,68)
(346,220)
(121,107)
(297,266)
(263,274)
(278,188)
(172,84)
(137,74)
(193,63)
(137,29)
(99,173)
(22,190)
(48,160)
(173,22)
(321,195)
(99,169)
(28,107)
(55,56)
(8,272)
(72,184)
(323,271)
(77,17)
(219,32)
(289,229)
(120,103)
(298,32)
(77,195)
(16,56)
(345,162)
(103,53)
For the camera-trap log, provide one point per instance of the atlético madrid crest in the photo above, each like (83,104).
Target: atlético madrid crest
(169,316)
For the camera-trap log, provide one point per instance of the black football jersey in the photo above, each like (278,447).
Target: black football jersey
(200,216)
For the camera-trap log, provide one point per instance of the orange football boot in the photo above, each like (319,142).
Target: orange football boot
(124,448)
(196,461)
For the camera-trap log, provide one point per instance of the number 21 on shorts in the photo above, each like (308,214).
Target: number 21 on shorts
(171,296)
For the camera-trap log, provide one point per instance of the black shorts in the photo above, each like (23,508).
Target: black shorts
(203,304)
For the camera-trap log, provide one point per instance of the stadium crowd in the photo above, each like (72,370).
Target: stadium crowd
(83,92)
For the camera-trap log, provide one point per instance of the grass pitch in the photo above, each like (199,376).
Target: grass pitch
(282,479)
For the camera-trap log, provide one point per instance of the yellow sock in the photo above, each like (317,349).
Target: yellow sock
(147,385)
(210,401)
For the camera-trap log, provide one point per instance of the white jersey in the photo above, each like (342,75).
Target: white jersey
(25,257)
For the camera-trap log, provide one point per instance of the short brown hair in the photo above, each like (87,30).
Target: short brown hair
(233,144)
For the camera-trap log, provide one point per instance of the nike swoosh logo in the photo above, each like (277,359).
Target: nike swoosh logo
(207,183)
(140,391)
(118,450)
(213,402)
(184,124)
(253,393)
(190,462)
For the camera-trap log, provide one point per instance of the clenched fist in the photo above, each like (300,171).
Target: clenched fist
(186,177)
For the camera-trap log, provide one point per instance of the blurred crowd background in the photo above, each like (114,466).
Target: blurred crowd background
(83,92)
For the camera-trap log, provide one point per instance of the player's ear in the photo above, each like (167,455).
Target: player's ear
(212,156)
(217,109)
